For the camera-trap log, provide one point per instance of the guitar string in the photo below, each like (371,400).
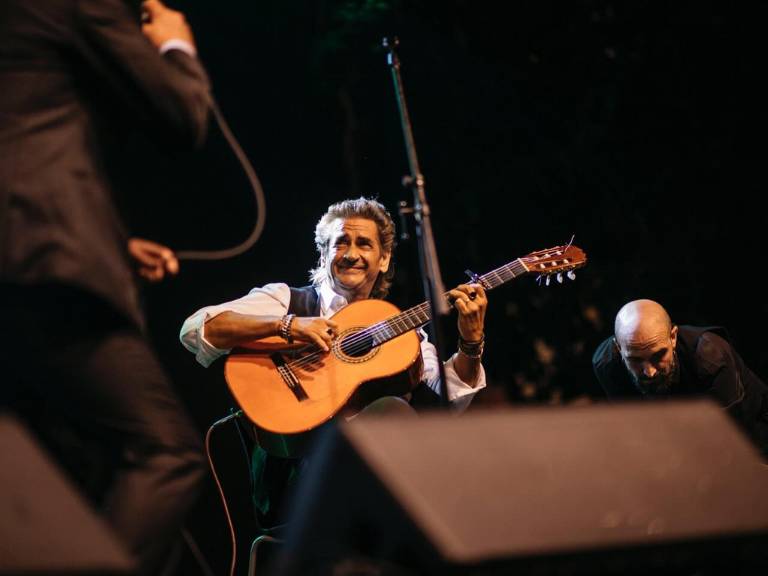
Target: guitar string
(502,275)
(361,340)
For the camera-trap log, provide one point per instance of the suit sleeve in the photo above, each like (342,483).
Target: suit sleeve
(171,89)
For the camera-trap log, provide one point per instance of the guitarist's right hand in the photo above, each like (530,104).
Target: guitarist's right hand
(315,330)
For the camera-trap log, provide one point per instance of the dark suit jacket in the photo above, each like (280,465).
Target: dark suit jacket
(62,63)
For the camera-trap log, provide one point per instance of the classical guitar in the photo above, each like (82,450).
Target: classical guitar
(287,391)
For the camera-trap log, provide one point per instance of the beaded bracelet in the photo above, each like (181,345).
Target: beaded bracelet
(285,328)
(472,349)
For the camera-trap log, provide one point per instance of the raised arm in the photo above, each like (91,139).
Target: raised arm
(471,302)
(171,89)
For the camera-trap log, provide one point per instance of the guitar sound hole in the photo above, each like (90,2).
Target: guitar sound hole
(356,345)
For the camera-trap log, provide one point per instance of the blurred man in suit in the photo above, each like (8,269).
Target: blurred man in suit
(72,334)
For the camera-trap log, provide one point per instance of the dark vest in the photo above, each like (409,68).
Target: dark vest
(304,302)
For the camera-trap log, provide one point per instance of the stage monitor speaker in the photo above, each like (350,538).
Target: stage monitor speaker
(655,487)
(46,527)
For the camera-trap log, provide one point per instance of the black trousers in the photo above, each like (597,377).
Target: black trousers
(71,362)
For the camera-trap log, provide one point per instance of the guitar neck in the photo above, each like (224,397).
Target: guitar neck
(421,314)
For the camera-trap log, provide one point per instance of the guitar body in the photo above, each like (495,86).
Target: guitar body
(287,392)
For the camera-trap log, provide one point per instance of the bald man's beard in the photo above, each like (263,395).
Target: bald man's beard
(660,384)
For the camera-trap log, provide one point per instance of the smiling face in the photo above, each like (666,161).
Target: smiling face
(354,257)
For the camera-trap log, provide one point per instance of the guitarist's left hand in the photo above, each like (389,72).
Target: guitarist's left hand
(471,302)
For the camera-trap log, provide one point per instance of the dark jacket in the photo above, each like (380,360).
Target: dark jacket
(709,365)
(62,63)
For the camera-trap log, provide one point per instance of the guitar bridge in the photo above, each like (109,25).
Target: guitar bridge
(289,377)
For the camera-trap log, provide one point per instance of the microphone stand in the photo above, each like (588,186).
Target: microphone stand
(434,290)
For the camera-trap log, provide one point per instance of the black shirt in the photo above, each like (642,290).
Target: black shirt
(708,365)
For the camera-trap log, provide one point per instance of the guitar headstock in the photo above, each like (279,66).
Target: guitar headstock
(555,260)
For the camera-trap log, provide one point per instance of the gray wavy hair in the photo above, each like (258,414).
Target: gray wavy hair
(369,209)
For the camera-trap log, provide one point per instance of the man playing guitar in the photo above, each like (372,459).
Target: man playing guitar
(354,239)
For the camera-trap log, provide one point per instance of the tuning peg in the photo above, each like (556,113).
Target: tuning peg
(571,274)
(560,277)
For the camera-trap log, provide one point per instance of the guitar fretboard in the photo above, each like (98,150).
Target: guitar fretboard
(419,315)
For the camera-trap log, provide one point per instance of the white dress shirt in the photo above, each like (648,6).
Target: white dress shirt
(274,299)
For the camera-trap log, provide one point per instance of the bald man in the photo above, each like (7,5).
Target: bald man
(650,357)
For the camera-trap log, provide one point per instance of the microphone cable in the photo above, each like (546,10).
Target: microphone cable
(258,191)
(232,534)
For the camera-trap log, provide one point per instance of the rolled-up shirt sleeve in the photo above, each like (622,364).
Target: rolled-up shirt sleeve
(269,300)
(460,393)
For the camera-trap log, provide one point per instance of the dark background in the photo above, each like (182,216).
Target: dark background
(634,126)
